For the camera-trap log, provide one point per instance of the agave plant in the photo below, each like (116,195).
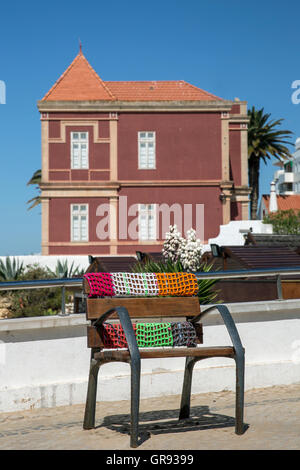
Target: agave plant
(206,293)
(10,270)
(151,266)
(63,270)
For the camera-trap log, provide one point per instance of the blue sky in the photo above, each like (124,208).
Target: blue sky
(232,49)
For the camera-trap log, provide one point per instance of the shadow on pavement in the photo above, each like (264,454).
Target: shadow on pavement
(166,421)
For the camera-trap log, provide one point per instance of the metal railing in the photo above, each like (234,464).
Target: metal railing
(64,283)
(44,283)
(265,272)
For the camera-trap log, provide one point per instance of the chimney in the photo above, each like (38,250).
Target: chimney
(273,199)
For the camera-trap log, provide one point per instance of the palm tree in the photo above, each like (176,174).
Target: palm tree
(264,141)
(35,179)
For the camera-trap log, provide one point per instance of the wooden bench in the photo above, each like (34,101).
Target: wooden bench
(127,311)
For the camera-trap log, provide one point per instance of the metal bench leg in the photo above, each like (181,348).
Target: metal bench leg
(135,400)
(135,364)
(239,358)
(90,407)
(239,403)
(186,389)
(239,409)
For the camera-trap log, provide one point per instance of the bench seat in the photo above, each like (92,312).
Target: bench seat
(155,353)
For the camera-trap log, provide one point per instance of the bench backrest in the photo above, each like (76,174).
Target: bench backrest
(158,307)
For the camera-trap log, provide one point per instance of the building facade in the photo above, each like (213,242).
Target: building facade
(121,161)
(287,179)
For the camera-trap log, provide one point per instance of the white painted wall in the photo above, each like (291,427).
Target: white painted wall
(50,261)
(44,361)
(233,232)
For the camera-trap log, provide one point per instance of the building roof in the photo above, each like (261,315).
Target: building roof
(284,203)
(259,256)
(159,91)
(111,264)
(156,257)
(271,239)
(80,82)
(254,257)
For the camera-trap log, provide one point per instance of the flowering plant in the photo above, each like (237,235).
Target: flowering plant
(186,250)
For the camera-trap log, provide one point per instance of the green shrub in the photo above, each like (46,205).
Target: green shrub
(284,222)
(35,302)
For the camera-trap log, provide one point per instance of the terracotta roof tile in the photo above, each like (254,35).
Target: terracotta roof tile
(284,203)
(159,91)
(80,82)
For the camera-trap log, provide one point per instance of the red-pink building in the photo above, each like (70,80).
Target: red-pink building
(123,160)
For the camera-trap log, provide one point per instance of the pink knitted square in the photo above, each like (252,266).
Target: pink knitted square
(101,284)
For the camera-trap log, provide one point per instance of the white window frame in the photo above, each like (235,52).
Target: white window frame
(79,213)
(147,210)
(80,141)
(146,140)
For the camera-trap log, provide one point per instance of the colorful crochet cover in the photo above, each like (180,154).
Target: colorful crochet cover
(141,284)
(177,284)
(113,336)
(150,335)
(184,334)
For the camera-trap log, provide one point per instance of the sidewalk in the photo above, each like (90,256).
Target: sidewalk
(272,414)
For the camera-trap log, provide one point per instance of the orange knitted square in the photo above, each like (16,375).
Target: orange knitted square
(177,284)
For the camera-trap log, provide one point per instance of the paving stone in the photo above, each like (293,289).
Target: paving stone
(272,416)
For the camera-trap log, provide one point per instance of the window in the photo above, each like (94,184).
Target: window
(79,223)
(287,187)
(146,147)
(79,150)
(147,222)
(288,167)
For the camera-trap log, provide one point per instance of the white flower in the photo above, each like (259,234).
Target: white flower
(188,251)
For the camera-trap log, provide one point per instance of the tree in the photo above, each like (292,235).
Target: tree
(35,180)
(265,141)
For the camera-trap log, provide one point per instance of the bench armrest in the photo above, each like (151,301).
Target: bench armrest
(229,323)
(125,320)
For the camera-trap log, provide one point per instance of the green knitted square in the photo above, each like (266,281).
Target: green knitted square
(151,335)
